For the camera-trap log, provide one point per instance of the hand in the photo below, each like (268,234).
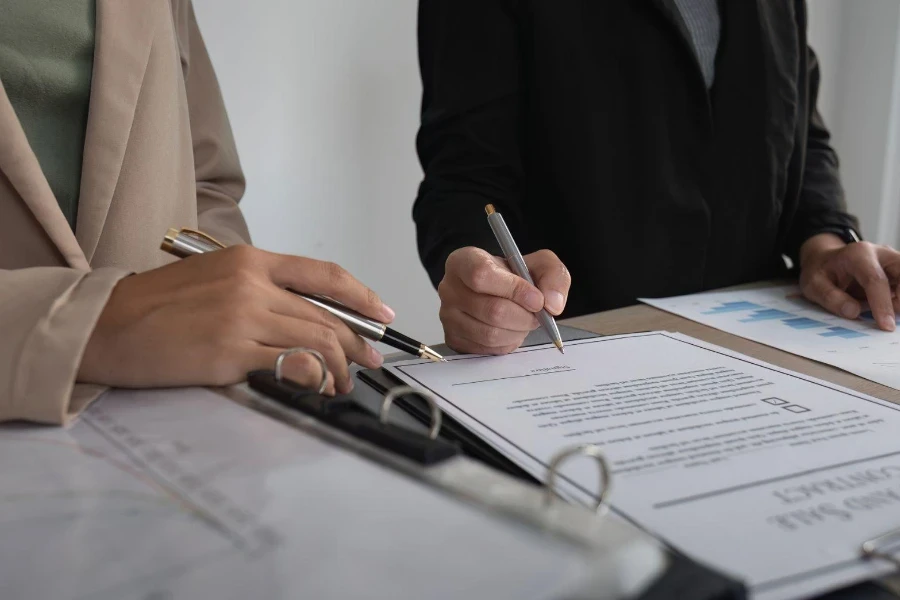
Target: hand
(486,309)
(838,275)
(209,319)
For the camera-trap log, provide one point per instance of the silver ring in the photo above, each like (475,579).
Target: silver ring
(404,390)
(314,353)
(591,450)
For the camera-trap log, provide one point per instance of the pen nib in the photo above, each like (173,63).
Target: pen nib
(559,346)
(430,354)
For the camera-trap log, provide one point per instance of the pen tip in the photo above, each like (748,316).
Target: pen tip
(559,346)
(431,355)
(489,209)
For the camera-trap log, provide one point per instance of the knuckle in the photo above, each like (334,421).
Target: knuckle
(546,255)
(303,363)
(480,276)
(491,336)
(871,277)
(242,289)
(335,273)
(325,337)
(496,311)
(244,258)
(446,315)
(372,299)
(454,259)
(443,290)
(834,298)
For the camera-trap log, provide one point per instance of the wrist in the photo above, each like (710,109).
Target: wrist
(818,245)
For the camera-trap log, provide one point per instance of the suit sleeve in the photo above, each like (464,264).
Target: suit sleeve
(220,180)
(822,207)
(469,143)
(47,315)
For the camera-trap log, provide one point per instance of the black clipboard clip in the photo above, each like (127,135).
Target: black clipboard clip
(345,414)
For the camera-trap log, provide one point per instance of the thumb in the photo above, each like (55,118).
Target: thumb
(551,277)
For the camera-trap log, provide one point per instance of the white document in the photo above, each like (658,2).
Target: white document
(773,477)
(780,317)
(184,495)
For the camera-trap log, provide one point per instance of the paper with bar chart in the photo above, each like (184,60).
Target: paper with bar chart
(780,317)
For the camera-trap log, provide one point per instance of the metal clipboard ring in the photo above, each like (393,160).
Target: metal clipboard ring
(404,390)
(874,548)
(602,505)
(314,353)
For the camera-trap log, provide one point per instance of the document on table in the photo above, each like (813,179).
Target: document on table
(780,317)
(771,476)
(185,494)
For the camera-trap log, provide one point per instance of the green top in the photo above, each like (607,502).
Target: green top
(46,62)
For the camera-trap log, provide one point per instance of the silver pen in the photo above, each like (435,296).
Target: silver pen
(187,242)
(517,264)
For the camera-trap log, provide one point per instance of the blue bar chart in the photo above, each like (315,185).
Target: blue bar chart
(730,307)
(758,313)
(780,317)
(843,332)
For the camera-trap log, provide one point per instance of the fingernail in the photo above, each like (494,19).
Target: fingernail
(375,357)
(534,301)
(555,302)
(388,312)
(849,310)
(888,323)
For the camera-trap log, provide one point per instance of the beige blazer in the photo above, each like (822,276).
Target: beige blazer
(159,153)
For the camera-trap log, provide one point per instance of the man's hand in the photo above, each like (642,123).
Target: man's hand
(837,276)
(486,309)
(209,319)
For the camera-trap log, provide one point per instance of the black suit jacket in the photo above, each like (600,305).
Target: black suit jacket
(589,125)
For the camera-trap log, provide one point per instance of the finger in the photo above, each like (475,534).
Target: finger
(285,332)
(301,368)
(890,262)
(327,279)
(490,310)
(867,271)
(465,346)
(551,277)
(821,290)
(355,347)
(490,339)
(488,275)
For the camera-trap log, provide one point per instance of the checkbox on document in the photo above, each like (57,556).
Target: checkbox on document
(795,408)
(775,401)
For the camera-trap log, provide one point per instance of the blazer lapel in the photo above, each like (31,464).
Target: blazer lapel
(670,12)
(124,35)
(21,167)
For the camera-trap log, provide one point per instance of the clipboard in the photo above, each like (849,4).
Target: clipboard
(627,563)
(683,570)
(471,445)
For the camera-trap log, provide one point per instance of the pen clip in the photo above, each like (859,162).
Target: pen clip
(202,236)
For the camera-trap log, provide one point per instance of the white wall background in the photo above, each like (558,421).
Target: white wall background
(858,44)
(324,99)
